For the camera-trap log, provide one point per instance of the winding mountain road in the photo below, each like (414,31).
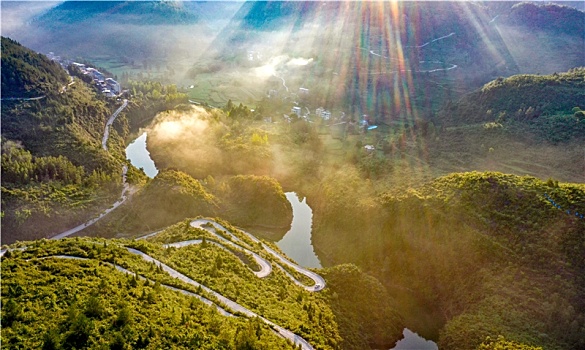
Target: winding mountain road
(110,122)
(211,227)
(265,267)
(432,41)
(297,340)
(128,272)
(452,66)
(125,187)
(319,281)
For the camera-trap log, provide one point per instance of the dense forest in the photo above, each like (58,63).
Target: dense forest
(172,195)
(523,98)
(28,74)
(482,252)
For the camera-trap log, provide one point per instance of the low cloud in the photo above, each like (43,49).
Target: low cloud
(299,62)
(16,14)
(186,138)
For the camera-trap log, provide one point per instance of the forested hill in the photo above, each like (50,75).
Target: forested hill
(85,302)
(550,105)
(89,293)
(485,253)
(28,74)
(54,167)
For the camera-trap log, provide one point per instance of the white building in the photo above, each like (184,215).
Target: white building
(113,85)
(79,65)
(108,93)
(323,113)
(296,110)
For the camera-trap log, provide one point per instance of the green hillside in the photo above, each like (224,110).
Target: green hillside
(57,303)
(28,74)
(486,254)
(54,170)
(530,99)
(56,173)
(170,197)
(90,293)
(245,200)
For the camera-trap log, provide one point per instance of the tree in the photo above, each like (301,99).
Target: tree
(51,340)
(94,308)
(11,312)
(502,344)
(246,338)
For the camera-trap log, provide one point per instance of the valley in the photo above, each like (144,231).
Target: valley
(284,175)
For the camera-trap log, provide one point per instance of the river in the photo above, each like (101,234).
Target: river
(140,157)
(296,243)
(413,341)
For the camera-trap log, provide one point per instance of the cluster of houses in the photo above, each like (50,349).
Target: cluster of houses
(107,86)
(319,112)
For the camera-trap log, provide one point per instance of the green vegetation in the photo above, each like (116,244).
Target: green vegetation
(502,344)
(173,195)
(28,74)
(53,164)
(55,172)
(522,99)
(362,307)
(170,197)
(476,250)
(63,303)
(255,201)
(480,260)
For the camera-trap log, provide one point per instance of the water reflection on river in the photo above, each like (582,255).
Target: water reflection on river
(296,243)
(140,157)
(413,341)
